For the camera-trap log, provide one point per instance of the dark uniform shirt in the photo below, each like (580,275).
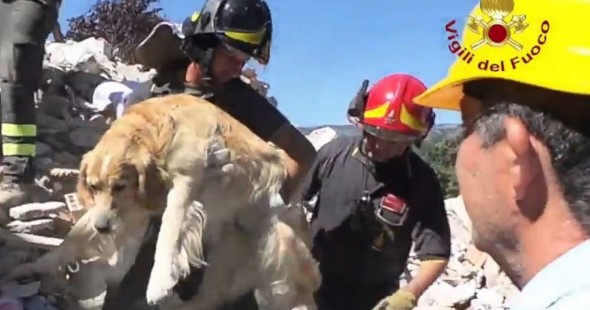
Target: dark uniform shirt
(251,108)
(237,99)
(354,249)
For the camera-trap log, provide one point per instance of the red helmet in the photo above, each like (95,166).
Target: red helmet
(388,109)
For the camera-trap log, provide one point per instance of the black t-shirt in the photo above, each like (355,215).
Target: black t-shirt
(340,176)
(240,101)
(250,108)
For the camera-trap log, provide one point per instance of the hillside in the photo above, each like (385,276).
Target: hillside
(437,133)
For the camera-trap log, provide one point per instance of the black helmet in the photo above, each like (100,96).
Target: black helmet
(245,25)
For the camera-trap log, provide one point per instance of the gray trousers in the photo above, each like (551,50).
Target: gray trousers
(24,27)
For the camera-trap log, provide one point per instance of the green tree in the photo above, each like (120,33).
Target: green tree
(122,23)
(441,156)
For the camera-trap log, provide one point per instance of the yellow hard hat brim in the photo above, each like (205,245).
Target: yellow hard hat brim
(442,96)
(447,93)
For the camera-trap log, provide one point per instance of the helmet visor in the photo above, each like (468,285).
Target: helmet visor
(235,53)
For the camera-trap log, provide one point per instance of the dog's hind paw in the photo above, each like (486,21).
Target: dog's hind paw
(160,285)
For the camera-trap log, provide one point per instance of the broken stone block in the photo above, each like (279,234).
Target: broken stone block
(475,257)
(11,257)
(33,226)
(38,303)
(31,211)
(489,298)
(462,294)
(492,272)
(39,241)
(84,138)
(42,149)
(74,205)
(15,290)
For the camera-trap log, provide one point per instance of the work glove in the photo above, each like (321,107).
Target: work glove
(400,300)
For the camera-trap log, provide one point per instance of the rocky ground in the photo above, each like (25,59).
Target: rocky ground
(472,280)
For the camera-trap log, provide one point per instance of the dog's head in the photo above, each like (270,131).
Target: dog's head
(118,184)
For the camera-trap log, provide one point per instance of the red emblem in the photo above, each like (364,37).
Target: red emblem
(393,203)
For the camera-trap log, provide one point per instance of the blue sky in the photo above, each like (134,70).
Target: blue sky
(323,49)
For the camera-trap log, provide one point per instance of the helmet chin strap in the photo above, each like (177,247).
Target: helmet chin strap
(200,50)
(431,121)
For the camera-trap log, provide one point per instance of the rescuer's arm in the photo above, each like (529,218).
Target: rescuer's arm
(300,154)
(428,272)
(432,236)
(312,182)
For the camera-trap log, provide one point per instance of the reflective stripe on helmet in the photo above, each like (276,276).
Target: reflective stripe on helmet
(254,38)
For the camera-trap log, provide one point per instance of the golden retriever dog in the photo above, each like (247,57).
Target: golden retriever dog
(214,182)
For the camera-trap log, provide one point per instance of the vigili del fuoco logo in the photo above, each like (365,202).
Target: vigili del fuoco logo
(498,31)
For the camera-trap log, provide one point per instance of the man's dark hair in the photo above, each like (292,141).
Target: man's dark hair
(557,120)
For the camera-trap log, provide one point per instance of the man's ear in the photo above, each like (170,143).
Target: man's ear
(193,75)
(526,162)
(84,195)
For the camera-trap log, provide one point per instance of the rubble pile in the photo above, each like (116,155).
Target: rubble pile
(472,280)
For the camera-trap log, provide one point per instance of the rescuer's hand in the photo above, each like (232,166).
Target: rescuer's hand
(400,300)
(219,157)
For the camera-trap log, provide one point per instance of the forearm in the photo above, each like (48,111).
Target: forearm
(295,174)
(297,155)
(57,34)
(428,272)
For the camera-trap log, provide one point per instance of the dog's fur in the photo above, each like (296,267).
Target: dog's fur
(162,153)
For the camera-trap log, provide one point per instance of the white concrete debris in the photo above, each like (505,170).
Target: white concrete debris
(472,280)
(71,55)
(32,211)
(319,137)
(33,226)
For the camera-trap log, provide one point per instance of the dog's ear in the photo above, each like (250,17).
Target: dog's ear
(151,182)
(84,195)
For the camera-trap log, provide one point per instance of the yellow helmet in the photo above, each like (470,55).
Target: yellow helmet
(544,43)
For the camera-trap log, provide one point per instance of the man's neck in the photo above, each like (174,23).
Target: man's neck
(544,243)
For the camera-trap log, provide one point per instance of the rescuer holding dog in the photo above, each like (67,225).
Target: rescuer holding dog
(206,60)
(374,197)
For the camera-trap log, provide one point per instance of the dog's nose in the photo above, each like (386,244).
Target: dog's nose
(103,225)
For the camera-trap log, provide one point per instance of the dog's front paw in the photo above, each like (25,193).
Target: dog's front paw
(161,283)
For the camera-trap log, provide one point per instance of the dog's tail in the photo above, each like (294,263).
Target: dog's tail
(290,259)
